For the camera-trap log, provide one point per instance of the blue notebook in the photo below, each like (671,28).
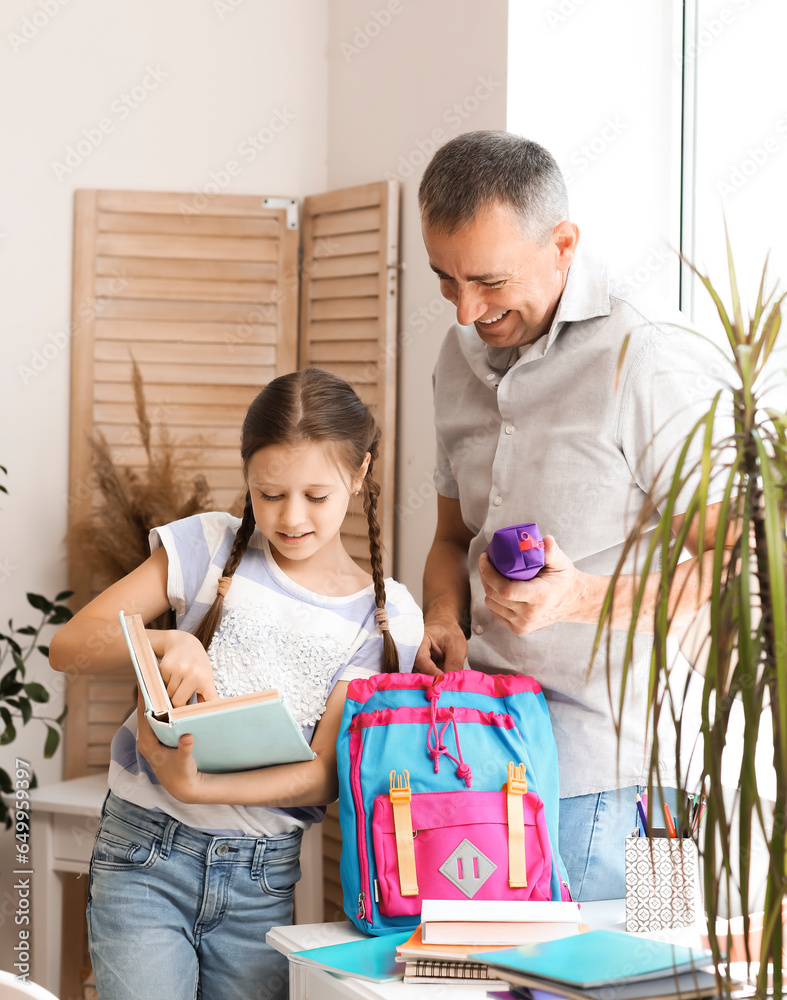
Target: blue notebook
(230,734)
(597,958)
(371,958)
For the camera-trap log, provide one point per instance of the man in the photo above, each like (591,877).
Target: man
(562,400)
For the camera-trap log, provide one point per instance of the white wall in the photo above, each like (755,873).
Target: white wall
(741,158)
(598,84)
(221,69)
(397,90)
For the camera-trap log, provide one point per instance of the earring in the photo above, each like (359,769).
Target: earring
(357,493)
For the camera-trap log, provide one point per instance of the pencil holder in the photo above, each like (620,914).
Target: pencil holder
(662,886)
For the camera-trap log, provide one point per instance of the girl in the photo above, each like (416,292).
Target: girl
(190,870)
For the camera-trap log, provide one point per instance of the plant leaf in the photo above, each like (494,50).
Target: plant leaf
(40,603)
(60,615)
(736,302)
(16,648)
(725,319)
(26,708)
(6,786)
(37,692)
(52,742)
(8,681)
(621,358)
(776,557)
(770,330)
(10,730)
(64,595)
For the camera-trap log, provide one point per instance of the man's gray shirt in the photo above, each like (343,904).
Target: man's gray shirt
(573,435)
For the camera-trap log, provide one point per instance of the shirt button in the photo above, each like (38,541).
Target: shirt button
(510,429)
(497,501)
(479,629)
(222,849)
(490,377)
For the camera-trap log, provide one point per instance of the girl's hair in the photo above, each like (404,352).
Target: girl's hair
(315,406)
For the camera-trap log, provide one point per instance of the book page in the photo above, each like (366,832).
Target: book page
(148,664)
(218,704)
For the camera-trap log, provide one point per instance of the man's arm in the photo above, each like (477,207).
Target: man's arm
(562,593)
(446,592)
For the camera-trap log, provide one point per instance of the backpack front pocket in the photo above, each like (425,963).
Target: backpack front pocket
(461,845)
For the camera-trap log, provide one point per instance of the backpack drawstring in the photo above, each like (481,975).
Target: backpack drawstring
(434,741)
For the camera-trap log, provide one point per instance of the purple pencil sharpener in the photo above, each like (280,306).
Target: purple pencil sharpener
(517,552)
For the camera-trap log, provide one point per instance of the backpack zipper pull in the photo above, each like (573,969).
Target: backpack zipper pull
(361,906)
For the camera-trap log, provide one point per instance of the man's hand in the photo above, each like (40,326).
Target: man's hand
(443,648)
(560,592)
(175,769)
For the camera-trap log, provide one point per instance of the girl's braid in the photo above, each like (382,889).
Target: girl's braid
(210,622)
(371,491)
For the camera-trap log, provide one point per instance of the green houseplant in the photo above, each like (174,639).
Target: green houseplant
(18,696)
(745,642)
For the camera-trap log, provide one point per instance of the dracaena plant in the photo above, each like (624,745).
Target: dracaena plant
(744,635)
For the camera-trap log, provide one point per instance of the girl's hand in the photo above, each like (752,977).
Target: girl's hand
(184,666)
(175,769)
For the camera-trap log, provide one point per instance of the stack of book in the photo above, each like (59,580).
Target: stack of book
(603,964)
(450,930)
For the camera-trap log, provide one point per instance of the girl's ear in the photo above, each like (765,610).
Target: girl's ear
(358,480)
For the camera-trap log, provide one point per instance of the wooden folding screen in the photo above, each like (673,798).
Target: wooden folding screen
(206,302)
(348,320)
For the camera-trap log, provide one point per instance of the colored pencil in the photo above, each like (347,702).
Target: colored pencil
(670,825)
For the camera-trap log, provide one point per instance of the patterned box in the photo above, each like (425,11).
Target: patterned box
(662,883)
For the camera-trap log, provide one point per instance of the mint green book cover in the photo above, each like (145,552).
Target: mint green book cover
(371,958)
(597,958)
(238,737)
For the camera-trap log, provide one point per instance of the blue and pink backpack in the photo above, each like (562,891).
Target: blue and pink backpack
(448,789)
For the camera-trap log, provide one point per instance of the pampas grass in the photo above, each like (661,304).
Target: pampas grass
(115,540)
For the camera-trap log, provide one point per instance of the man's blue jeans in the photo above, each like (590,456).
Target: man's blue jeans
(593,831)
(175,913)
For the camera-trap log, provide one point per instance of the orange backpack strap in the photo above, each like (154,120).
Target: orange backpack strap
(400,795)
(515,787)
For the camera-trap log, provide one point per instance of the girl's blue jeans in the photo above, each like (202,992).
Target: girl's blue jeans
(177,914)
(593,831)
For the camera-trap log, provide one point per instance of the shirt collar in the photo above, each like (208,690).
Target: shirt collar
(585,296)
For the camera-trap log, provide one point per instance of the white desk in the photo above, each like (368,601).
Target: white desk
(63,823)
(307,983)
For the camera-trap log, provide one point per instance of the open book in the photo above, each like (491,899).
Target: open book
(230,734)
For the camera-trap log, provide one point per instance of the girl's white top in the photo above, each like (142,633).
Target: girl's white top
(273,634)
